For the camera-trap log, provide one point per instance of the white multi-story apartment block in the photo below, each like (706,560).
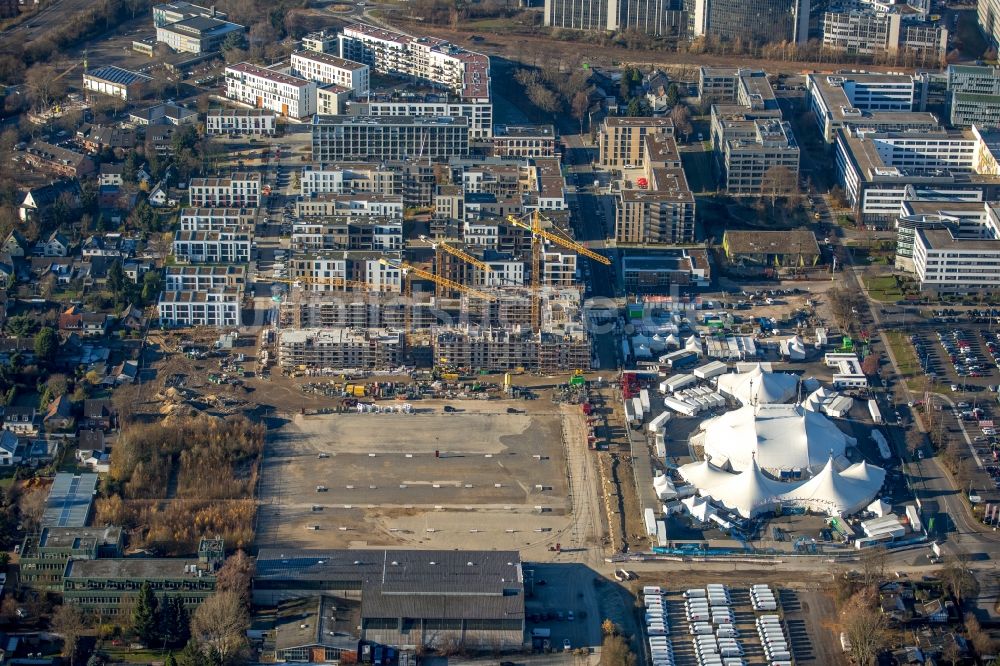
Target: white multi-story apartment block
(264,88)
(879,171)
(330,205)
(327,68)
(558,268)
(239,121)
(863,101)
(362,233)
(216,219)
(364,138)
(241,190)
(321,41)
(211,247)
(465,73)
(479,114)
(504,272)
(220,308)
(203,278)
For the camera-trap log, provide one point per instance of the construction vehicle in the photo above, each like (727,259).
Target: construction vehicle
(537,236)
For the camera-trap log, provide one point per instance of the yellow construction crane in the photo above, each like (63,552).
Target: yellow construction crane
(537,235)
(335,281)
(436,279)
(455,252)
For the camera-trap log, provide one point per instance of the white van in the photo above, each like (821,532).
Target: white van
(695,594)
(727,633)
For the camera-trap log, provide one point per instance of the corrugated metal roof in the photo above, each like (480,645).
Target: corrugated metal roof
(117,75)
(70,497)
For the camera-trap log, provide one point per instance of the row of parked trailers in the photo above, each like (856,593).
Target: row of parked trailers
(661,649)
(712,625)
(774,641)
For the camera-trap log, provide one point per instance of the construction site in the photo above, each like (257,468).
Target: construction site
(326,325)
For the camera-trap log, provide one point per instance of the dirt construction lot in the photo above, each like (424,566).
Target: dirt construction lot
(498,480)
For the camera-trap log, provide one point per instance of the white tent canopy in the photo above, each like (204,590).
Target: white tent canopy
(748,493)
(699,508)
(880,507)
(664,488)
(703,475)
(758,386)
(793,348)
(835,493)
(782,438)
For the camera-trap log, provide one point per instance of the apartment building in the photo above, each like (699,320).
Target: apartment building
(620,139)
(254,122)
(879,171)
(264,88)
(332,205)
(523,141)
(327,68)
(413,181)
(436,61)
(873,32)
(57,160)
(211,247)
(755,151)
(315,267)
(365,138)
(974,95)
(864,101)
(321,41)
(203,278)
(479,114)
(348,233)
(240,190)
(654,204)
(340,349)
(497,350)
(220,307)
(216,219)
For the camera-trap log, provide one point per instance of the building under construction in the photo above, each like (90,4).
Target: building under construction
(339,349)
(496,349)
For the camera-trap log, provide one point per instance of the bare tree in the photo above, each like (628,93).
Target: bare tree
(872,566)
(32,505)
(865,627)
(778,181)
(958,578)
(235,576)
(681,116)
(43,86)
(581,104)
(219,626)
(68,622)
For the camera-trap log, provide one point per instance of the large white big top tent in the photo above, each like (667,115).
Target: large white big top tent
(758,386)
(784,439)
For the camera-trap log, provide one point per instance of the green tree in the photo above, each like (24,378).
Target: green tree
(151,285)
(174,622)
(673,95)
(46,346)
(116,279)
(170,661)
(21,326)
(144,615)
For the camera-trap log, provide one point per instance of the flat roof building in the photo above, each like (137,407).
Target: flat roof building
(465,73)
(620,139)
(197,34)
(116,82)
(328,68)
(408,598)
(338,138)
(70,499)
(896,29)
(974,95)
(524,141)
(264,88)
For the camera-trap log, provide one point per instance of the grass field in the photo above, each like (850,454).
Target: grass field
(883,288)
(906,358)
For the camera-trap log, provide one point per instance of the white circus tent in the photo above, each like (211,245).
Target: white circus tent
(835,493)
(759,387)
(749,493)
(703,475)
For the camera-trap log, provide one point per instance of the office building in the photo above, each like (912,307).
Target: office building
(662,18)
(958,256)
(116,82)
(199,34)
(974,95)
(872,32)
(879,171)
(436,61)
(749,21)
(264,88)
(172,12)
(254,122)
(363,138)
(44,554)
(600,15)
(326,68)
(321,41)
(988,14)
(109,587)
(620,139)
(654,205)
(865,101)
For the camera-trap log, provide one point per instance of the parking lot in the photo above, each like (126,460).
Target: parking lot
(741,632)
(481,478)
